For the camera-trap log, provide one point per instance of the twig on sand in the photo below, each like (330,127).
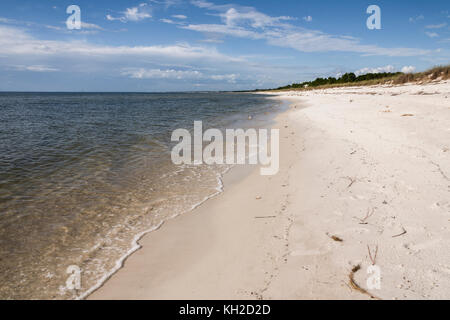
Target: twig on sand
(368,215)
(374,257)
(352,181)
(356,286)
(335,238)
(265,217)
(400,234)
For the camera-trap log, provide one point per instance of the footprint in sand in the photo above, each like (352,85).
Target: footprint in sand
(441,205)
(416,248)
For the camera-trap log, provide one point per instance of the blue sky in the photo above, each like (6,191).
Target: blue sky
(186,45)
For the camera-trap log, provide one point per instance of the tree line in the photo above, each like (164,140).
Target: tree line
(345,78)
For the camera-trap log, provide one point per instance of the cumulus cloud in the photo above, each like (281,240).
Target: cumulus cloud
(138,13)
(408,69)
(307,18)
(387,68)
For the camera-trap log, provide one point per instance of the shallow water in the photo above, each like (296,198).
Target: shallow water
(81,174)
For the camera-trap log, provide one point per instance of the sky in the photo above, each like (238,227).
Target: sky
(203,45)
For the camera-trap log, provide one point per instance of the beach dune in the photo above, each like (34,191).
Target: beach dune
(364,180)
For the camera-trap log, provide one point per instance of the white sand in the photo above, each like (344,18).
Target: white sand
(343,152)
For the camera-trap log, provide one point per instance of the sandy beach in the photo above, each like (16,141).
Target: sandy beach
(369,166)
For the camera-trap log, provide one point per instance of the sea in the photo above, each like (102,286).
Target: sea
(83,176)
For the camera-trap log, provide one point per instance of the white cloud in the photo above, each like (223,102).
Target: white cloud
(436,26)
(307,18)
(138,13)
(256,19)
(6,20)
(202,4)
(224,29)
(16,42)
(230,78)
(408,69)
(85,25)
(55,28)
(202,64)
(170,21)
(142,73)
(35,68)
(387,68)
(179,16)
(211,40)
(167,3)
(29,24)
(432,34)
(247,22)
(417,18)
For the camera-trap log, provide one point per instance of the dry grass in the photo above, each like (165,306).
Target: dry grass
(356,286)
(440,72)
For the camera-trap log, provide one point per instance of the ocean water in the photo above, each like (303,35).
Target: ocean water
(84,175)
